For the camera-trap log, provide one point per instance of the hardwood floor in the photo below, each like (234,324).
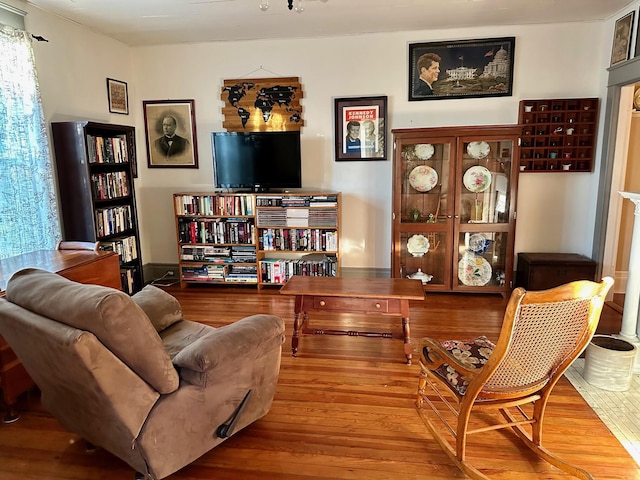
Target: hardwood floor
(344,408)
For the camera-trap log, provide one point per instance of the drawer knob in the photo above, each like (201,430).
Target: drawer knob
(377,305)
(322,303)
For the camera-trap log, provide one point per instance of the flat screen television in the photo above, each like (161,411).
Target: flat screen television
(256,160)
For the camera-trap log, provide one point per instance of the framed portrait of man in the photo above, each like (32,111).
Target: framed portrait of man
(170,132)
(461,69)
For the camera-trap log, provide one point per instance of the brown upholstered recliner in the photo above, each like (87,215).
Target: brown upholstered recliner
(130,375)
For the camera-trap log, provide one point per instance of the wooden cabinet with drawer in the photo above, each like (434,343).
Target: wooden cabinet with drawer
(83,266)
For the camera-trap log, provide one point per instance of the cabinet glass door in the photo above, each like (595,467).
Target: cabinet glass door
(425,171)
(426,210)
(482,259)
(483,213)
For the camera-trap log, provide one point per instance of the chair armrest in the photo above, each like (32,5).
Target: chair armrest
(437,356)
(238,342)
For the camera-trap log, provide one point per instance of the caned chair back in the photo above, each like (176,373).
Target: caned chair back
(543,333)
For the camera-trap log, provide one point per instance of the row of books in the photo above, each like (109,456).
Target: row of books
(297,201)
(208,273)
(298,217)
(109,185)
(298,239)
(210,253)
(220,273)
(128,280)
(277,270)
(242,273)
(125,247)
(223,205)
(107,149)
(110,221)
(216,231)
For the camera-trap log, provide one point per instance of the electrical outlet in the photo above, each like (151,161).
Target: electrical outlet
(170,273)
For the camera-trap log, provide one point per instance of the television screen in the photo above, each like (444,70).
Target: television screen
(256,160)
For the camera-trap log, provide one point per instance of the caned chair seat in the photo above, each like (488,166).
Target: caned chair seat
(542,334)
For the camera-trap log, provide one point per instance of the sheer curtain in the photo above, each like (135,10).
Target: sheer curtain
(28,211)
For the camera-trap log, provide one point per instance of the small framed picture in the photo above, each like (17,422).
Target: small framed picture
(621,48)
(118,96)
(461,69)
(170,130)
(361,128)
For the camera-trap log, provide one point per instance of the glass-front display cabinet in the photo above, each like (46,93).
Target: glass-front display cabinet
(454,193)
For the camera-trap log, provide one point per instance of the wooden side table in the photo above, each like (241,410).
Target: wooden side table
(383,296)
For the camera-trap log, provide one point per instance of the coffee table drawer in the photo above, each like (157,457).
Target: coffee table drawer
(351,304)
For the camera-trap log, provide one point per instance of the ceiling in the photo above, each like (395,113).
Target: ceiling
(157,22)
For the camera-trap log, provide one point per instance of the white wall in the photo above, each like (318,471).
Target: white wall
(555,211)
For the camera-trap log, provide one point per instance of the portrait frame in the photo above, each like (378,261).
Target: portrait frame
(468,69)
(621,44)
(373,111)
(179,153)
(118,96)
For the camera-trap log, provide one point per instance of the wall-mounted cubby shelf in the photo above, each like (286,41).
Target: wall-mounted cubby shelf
(558,135)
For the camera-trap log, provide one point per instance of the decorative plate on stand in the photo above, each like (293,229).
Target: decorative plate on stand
(478,150)
(473,270)
(418,245)
(423,178)
(478,243)
(424,151)
(477,179)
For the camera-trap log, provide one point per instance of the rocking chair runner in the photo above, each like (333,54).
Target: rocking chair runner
(543,332)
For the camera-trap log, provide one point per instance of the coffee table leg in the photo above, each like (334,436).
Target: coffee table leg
(297,324)
(406,332)
(294,337)
(408,350)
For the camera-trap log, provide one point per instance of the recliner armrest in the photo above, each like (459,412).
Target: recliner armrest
(238,342)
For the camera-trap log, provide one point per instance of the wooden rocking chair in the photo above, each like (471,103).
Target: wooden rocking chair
(543,332)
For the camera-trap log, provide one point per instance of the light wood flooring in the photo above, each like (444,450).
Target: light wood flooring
(344,408)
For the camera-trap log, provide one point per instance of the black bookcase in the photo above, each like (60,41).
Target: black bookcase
(95,164)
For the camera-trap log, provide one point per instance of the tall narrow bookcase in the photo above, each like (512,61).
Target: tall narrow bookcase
(94,165)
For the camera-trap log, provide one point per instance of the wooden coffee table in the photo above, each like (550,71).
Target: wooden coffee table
(384,296)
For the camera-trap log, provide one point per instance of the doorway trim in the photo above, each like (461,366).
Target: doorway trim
(620,76)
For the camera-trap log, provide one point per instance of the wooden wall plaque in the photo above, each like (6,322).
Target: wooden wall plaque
(262,104)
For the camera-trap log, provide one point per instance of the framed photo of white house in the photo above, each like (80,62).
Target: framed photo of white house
(361,128)
(170,131)
(461,69)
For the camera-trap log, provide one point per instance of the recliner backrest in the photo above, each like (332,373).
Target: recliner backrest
(111,315)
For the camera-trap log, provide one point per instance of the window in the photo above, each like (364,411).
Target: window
(28,211)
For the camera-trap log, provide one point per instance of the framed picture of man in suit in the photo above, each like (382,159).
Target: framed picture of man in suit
(170,131)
